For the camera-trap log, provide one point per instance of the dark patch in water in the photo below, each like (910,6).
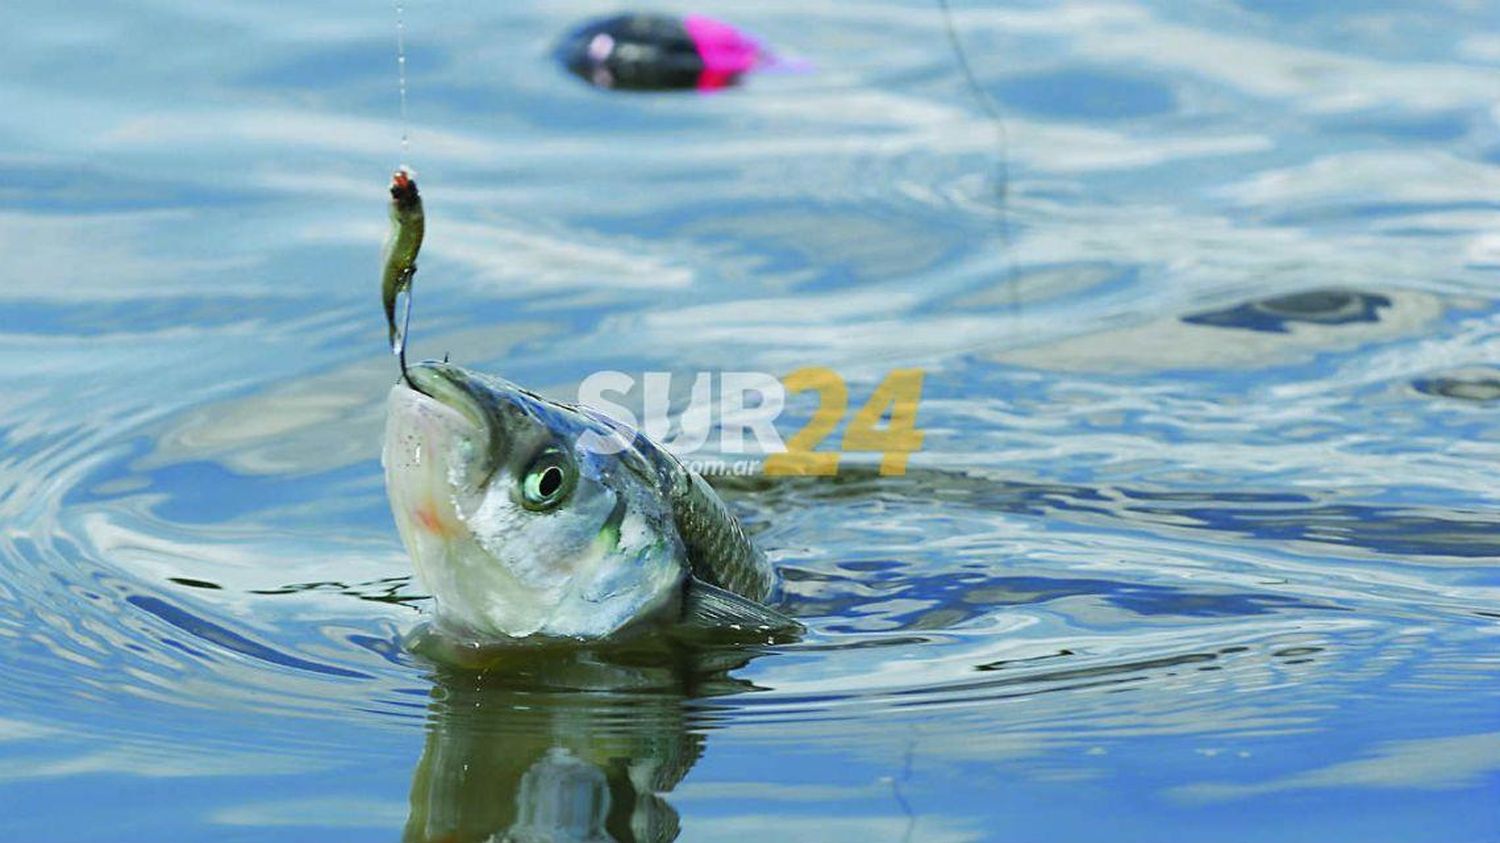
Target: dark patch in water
(1289,652)
(229,640)
(192,583)
(1319,307)
(1009,663)
(1478,387)
(178,645)
(383,590)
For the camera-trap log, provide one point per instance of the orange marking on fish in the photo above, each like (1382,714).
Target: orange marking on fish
(427,516)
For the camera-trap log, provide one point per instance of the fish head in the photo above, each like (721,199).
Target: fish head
(524,516)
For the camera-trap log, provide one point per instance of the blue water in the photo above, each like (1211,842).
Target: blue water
(1201,542)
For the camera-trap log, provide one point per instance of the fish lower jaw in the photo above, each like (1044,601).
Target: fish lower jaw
(465,619)
(463,626)
(475,598)
(486,604)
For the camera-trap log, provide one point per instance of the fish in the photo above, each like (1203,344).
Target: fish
(527,518)
(408,225)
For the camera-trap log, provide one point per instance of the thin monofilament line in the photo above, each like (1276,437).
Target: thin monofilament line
(1002,142)
(401,74)
(400,344)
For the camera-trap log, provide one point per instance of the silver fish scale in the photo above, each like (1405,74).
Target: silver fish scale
(717,547)
(721,553)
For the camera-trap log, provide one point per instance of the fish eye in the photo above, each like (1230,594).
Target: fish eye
(548,481)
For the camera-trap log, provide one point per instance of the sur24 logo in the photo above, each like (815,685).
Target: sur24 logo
(886,423)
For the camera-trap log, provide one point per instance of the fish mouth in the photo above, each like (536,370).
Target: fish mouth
(475,401)
(436,459)
(447,385)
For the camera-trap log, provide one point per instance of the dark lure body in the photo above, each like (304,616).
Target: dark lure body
(408,225)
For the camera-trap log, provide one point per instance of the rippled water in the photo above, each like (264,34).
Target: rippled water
(1202,537)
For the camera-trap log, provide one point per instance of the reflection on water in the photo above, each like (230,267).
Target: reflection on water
(1202,535)
(1480,385)
(1282,329)
(573,745)
(1321,307)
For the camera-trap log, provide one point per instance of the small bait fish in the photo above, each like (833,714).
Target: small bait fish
(401,248)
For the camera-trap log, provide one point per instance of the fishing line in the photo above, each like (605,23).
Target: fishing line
(401,74)
(991,108)
(405,327)
(406,292)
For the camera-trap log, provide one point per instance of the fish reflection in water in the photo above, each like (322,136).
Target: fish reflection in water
(565,744)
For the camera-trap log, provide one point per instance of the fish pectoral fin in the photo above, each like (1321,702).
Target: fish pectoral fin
(713,609)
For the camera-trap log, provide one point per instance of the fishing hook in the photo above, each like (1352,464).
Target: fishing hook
(406,288)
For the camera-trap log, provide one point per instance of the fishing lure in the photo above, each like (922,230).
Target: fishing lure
(401,247)
(648,52)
